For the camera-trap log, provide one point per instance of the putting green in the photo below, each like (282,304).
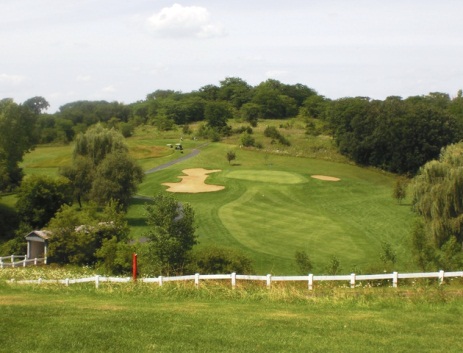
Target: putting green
(267,176)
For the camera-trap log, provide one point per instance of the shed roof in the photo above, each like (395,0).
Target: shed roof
(41,234)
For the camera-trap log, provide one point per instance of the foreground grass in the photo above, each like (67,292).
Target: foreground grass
(180,318)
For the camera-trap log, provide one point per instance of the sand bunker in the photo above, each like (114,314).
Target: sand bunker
(325,178)
(194,182)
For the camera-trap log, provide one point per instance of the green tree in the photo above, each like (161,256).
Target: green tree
(438,200)
(231,156)
(250,112)
(171,234)
(36,104)
(40,196)
(217,114)
(438,196)
(97,142)
(116,178)
(235,91)
(80,173)
(17,136)
(78,235)
(102,169)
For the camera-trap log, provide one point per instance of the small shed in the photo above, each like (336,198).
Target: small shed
(37,244)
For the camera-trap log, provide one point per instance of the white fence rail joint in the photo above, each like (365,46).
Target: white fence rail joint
(352,279)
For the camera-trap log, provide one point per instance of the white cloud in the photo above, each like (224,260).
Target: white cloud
(11,79)
(109,89)
(83,78)
(184,21)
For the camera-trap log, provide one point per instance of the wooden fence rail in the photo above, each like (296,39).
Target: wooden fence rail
(310,279)
(9,261)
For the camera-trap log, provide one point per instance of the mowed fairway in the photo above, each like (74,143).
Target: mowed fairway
(271,207)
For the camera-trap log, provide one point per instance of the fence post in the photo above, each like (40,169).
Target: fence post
(441,277)
(39,281)
(24,262)
(45,260)
(66,282)
(12,261)
(97,281)
(197,280)
(134,267)
(1,263)
(395,279)
(233,280)
(35,262)
(352,280)
(269,280)
(310,281)
(160,281)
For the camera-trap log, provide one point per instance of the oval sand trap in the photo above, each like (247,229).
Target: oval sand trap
(194,182)
(325,178)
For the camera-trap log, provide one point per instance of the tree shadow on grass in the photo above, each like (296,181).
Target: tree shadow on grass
(136,221)
(139,200)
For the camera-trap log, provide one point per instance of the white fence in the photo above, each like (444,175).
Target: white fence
(10,261)
(310,279)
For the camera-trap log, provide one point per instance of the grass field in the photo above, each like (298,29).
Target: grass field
(179,318)
(271,206)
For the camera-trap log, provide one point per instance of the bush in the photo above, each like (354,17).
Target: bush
(219,260)
(247,140)
(274,134)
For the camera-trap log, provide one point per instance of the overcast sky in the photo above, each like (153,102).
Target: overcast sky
(121,50)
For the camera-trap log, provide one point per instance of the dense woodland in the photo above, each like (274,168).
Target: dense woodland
(399,135)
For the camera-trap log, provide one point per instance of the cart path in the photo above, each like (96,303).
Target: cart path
(193,153)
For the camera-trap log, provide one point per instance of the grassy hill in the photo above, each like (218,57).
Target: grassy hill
(271,206)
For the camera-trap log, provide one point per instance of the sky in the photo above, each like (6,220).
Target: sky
(115,50)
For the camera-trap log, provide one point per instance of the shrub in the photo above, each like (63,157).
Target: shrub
(219,260)
(247,140)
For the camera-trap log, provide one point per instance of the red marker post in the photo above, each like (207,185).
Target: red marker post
(134,267)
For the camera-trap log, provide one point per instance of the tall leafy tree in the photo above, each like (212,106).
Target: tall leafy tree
(171,233)
(235,91)
(217,114)
(438,195)
(17,136)
(37,104)
(116,177)
(40,196)
(102,169)
(438,200)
